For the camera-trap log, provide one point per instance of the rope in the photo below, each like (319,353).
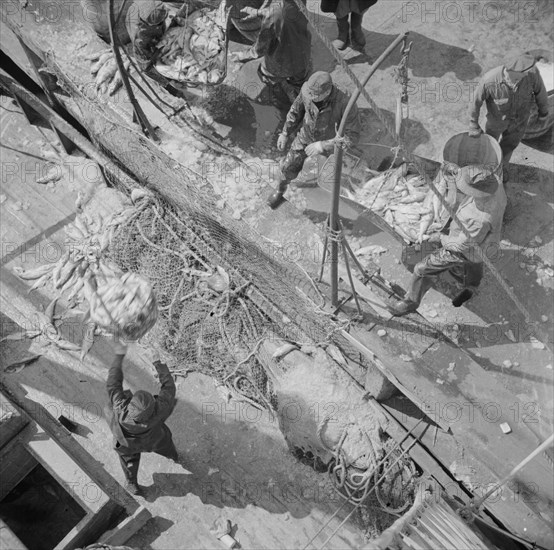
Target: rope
(334,235)
(342,141)
(415,161)
(388,175)
(401,73)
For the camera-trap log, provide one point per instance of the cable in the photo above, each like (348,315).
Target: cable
(146,126)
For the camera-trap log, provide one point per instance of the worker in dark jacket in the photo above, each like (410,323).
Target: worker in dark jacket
(509,92)
(319,109)
(284,41)
(138,421)
(349,33)
(480,213)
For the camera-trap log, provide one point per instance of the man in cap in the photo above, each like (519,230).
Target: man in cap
(480,214)
(509,92)
(318,110)
(138,420)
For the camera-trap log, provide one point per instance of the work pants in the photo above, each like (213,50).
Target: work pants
(290,86)
(129,457)
(293,162)
(509,136)
(468,273)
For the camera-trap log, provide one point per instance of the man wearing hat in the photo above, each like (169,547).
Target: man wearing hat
(509,92)
(318,110)
(480,213)
(138,419)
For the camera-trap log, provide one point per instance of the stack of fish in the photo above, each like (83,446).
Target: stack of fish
(406,203)
(194,50)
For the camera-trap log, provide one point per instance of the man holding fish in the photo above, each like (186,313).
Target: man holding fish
(138,419)
(478,224)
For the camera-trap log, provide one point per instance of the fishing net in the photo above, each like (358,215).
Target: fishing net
(206,320)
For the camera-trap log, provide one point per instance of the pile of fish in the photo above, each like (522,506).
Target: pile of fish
(194,49)
(406,203)
(117,302)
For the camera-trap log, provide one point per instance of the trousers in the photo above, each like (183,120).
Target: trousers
(508,138)
(469,274)
(129,458)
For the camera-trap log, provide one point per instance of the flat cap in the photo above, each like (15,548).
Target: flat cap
(319,86)
(520,63)
(477,181)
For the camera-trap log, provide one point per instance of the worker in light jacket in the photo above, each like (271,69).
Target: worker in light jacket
(138,419)
(509,92)
(349,33)
(480,213)
(318,110)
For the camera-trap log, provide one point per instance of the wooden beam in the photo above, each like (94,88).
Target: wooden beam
(70,475)
(91,527)
(126,528)
(11,421)
(16,463)
(66,441)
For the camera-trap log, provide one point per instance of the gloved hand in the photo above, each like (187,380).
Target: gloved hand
(250,13)
(119,347)
(243,57)
(152,355)
(282,142)
(475,132)
(315,148)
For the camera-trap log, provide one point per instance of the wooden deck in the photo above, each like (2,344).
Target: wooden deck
(465,399)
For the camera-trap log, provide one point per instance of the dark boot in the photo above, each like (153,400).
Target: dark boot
(402,307)
(418,289)
(133,487)
(462,297)
(276,198)
(356,31)
(342,40)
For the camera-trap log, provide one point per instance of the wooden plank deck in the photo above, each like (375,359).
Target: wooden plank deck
(467,387)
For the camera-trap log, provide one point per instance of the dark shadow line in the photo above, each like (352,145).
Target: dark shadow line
(36,239)
(25,153)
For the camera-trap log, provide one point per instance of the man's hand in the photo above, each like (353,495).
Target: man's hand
(251,13)
(315,148)
(475,132)
(243,57)
(119,347)
(435,238)
(152,355)
(282,142)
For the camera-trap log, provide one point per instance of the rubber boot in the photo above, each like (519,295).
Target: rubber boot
(276,198)
(133,487)
(418,289)
(462,297)
(342,40)
(356,31)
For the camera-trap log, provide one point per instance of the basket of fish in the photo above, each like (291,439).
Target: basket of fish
(193,50)
(401,197)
